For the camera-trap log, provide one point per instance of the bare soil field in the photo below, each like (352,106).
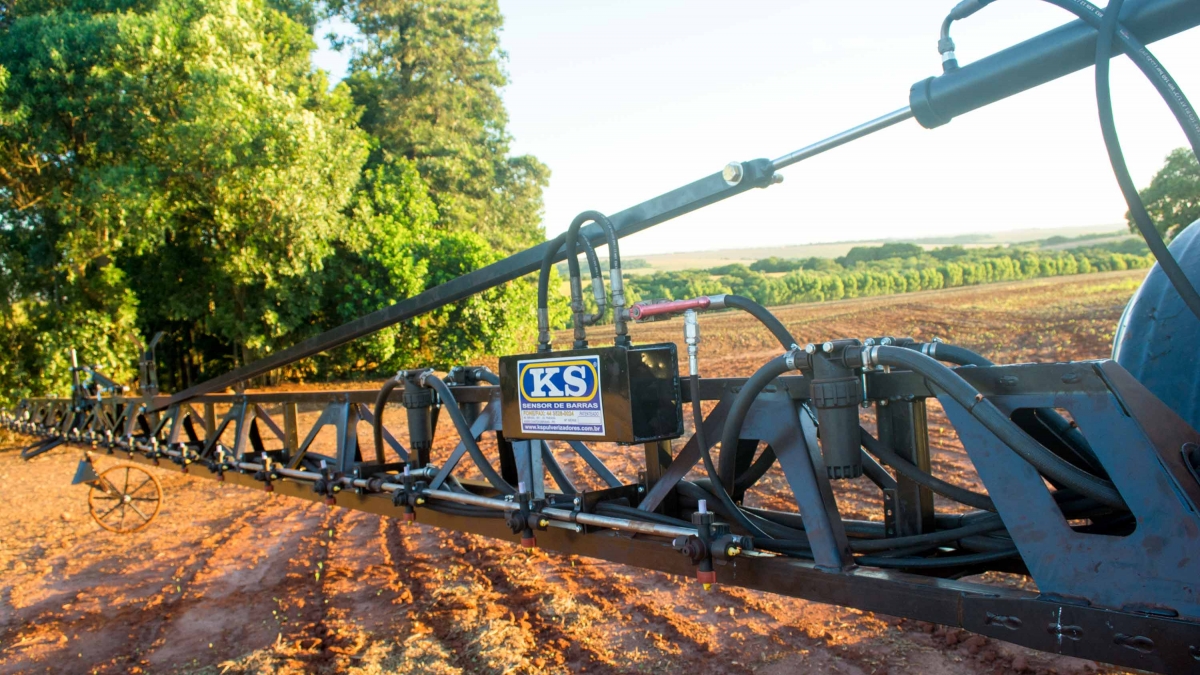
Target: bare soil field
(232,580)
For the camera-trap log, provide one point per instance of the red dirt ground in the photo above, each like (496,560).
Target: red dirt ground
(231,580)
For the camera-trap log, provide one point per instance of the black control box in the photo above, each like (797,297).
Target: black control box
(615,394)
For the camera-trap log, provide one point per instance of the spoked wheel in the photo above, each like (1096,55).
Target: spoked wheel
(125,498)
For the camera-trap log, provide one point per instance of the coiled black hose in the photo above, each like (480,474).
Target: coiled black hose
(381,400)
(572,241)
(450,405)
(719,490)
(737,415)
(916,475)
(1108,26)
(1051,465)
(543,291)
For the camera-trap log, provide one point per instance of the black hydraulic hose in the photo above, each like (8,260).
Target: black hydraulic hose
(1051,465)
(485,374)
(737,414)
(1150,66)
(768,319)
(597,281)
(462,509)
(870,539)
(987,542)
(381,400)
(1067,432)
(793,547)
(1116,157)
(960,356)
(756,471)
(928,563)
(638,514)
(936,538)
(543,292)
(718,489)
(916,475)
(862,529)
(700,489)
(464,432)
(614,258)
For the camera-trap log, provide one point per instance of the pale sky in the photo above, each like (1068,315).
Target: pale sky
(624,100)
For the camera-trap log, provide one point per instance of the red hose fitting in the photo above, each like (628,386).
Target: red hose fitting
(640,311)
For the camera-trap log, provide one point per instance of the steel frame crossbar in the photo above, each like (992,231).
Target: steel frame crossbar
(1101,597)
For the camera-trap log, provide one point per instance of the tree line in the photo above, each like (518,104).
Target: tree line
(883,270)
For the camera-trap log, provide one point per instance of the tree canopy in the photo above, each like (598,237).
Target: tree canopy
(179,165)
(1173,197)
(428,77)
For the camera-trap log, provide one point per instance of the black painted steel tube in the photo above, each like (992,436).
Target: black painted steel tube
(695,195)
(1038,60)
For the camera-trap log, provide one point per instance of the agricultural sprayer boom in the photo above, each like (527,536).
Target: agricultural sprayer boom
(1092,480)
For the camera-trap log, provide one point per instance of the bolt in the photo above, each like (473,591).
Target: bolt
(810,348)
(578,528)
(776,178)
(577,501)
(732,173)
(827,347)
(641,489)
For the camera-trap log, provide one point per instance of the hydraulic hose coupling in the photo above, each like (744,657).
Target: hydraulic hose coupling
(657,310)
(620,314)
(703,520)
(691,335)
(945,44)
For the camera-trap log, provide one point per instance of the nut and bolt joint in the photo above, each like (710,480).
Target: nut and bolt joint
(733,173)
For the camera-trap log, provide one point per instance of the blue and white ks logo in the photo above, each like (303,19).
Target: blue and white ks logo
(561,396)
(567,380)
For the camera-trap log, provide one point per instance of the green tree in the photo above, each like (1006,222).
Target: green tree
(1173,196)
(428,77)
(175,158)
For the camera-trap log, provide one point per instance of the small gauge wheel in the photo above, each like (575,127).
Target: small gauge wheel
(125,498)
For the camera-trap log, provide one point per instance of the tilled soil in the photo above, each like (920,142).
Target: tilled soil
(233,580)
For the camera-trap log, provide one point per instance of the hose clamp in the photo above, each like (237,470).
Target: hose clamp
(929,349)
(791,357)
(870,357)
